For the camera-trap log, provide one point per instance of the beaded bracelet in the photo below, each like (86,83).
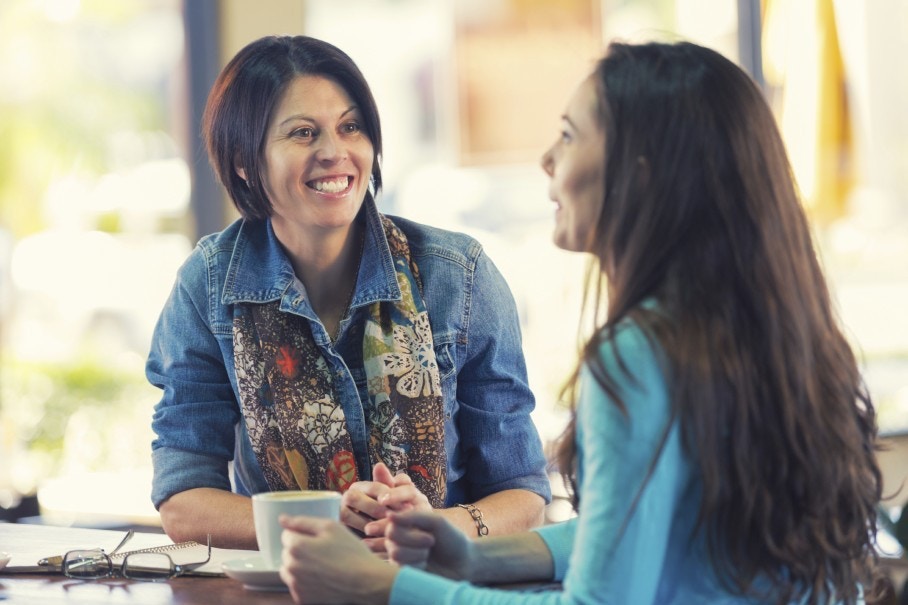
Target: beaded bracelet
(481,528)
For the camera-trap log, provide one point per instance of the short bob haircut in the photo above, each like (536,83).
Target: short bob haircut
(243,99)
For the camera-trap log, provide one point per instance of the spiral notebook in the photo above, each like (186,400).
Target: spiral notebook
(181,553)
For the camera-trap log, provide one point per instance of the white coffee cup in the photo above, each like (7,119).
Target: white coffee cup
(268,506)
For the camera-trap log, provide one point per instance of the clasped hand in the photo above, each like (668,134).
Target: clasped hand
(366,504)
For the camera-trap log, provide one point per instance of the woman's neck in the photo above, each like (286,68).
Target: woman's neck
(328,267)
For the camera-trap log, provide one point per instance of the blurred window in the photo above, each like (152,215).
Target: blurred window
(829,74)
(94,191)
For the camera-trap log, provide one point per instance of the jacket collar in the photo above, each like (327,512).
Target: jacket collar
(259,270)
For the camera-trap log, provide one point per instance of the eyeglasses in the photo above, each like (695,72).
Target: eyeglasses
(95,564)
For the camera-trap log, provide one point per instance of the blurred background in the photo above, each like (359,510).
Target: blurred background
(104,187)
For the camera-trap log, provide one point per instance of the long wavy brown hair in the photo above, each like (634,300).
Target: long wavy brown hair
(701,213)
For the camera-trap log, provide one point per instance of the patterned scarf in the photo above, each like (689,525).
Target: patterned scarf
(297,425)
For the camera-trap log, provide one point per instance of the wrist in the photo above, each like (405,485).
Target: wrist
(377,591)
(479,562)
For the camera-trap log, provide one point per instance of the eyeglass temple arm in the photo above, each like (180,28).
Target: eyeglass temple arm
(122,543)
(178,569)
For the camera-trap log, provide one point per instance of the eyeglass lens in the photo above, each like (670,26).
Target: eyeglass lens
(86,564)
(94,565)
(148,567)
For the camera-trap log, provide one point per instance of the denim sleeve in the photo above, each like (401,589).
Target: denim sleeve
(498,438)
(192,470)
(194,420)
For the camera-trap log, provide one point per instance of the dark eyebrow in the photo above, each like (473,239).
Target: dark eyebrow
(350,109)
(565,118)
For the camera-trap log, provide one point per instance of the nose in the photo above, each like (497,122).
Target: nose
(547,162)
(330,147)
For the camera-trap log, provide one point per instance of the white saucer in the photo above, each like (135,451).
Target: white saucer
(4,559)
(254,573)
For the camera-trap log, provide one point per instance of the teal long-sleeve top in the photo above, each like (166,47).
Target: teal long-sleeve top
(656,558)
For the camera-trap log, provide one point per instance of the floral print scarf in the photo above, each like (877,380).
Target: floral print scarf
(297,425)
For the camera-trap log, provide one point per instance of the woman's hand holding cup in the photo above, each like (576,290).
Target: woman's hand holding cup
(267,507)
(323,562)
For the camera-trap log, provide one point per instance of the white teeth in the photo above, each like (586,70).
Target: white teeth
(331,185)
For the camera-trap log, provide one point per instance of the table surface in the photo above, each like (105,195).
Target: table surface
(28,543)
(30,589)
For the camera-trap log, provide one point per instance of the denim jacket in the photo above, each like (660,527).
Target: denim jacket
(490,440)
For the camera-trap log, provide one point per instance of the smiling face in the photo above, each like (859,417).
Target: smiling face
(318,160)
(575,164)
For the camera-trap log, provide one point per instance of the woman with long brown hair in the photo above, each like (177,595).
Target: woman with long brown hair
(722,447)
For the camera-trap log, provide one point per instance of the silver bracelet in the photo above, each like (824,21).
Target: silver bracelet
(481,528)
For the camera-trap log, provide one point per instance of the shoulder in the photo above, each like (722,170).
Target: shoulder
(206,266)
(630,347)
(425,240)
(217,247)
(637,371)
(226,240)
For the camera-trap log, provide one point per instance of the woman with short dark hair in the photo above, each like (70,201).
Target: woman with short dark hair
(318,344)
